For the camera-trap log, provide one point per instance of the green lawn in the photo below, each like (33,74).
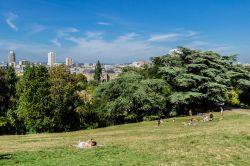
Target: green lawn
(225,142)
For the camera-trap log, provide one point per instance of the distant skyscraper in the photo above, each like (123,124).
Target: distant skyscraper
(51,58)
(69,61)
(12,58)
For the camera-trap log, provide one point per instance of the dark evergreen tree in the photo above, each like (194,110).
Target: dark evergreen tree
(200,80)
(8,99)
(11,81)
(3,94)
(98,71)
(3,104)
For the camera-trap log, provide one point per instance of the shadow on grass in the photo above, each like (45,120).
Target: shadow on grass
(5,156)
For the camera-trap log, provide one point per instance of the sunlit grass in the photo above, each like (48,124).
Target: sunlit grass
(225,142)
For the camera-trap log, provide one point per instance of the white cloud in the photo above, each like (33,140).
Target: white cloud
(87,36)
(223,49)
(93,46)
(164,37)
(37,28)
(192,33)
(128,36)
(91,50)
(181,35)
(104,23)
(56,42)
(196,44)
(66,31)
(10,17)
(75,39)
(94,35)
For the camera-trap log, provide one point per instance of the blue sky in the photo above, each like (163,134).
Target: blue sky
(119,31)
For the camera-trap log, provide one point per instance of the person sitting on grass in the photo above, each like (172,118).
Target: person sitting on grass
(211,117)
(221,113)
(205,118)
(159,122)
(85,145)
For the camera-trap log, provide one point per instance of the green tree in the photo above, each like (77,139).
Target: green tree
(3,106)
(81,81)
(8,99)
(199,80)
(3,93)
(240,84)
(146,71)
(11,81)
(34,103)
(65,99)
(130,98)
(8,82)
(98,71)
(233,98)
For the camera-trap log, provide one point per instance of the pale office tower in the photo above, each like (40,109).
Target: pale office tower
(51,58)
(69,61)
(12,58)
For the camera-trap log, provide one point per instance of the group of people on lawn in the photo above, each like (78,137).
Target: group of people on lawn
(205,118)
(91,143)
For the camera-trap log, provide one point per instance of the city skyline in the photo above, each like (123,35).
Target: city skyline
(50,61)
(121,32)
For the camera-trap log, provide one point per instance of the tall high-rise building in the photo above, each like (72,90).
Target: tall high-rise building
(12,58)
(51,58)
(69,61)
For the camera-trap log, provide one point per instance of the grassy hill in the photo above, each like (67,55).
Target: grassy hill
(225,142)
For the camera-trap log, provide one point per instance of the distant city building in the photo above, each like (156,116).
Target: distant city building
(51,58)
(24,62)
(77,65)
(109,71)
(58,64)
(138,64)
(12,58)
(3,66)
(20,68)
(69,61)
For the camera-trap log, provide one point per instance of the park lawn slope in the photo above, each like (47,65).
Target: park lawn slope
(225,142)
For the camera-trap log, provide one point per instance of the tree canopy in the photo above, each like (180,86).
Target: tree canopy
(130,98)
(200,80)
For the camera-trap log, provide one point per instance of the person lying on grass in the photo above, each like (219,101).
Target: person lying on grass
(191,122)
(85,145)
